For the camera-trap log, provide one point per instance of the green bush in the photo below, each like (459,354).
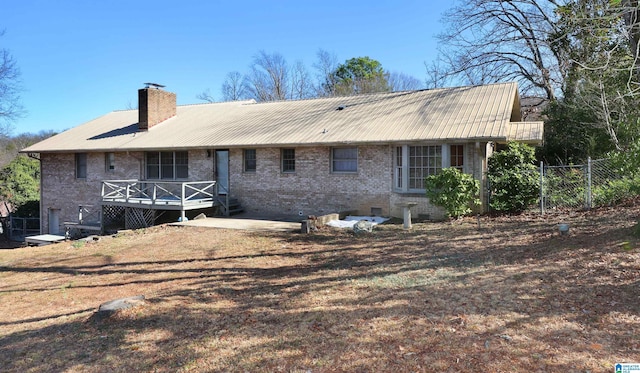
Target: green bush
(615,191)
(19,181)
(453,190)
(627,161)
(29,209)
(514,179)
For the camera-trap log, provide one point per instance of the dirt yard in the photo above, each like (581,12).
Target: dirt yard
(508,295)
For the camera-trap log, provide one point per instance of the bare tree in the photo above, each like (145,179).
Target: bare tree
(325,66)
(268,79)
(205,96)
(599,40)
(301,85)
(233,87)
(403,82)
(496,40)
(10,107)
(437,75)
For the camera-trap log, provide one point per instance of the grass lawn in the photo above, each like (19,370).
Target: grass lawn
(510,295)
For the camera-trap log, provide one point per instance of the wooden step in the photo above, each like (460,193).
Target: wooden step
(236,211)
(234,205)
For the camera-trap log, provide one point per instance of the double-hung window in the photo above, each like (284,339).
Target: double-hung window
(167,165)
(250,160)
(456,157)
(344,160)
(81,165)
(288,160)
(109,162)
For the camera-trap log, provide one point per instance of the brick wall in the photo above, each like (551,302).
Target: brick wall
(200,165)
(154,106)
(313,189)
(61,190)
(423,206)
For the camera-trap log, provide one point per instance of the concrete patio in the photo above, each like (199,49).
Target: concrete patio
(252,223)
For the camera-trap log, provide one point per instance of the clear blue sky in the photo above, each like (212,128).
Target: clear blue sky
(82,59)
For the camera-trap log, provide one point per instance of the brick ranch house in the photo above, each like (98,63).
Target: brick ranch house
(365,153)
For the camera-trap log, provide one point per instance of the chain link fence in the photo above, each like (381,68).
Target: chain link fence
(579,186)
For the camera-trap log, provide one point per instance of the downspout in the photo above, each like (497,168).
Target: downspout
(475,169)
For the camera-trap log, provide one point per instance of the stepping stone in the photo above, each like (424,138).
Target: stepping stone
(110,307)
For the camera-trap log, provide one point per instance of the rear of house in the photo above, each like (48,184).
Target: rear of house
(367,154)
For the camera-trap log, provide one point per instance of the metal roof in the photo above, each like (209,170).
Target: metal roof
(449,114)
(527,132)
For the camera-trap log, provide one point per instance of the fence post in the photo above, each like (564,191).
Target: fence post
(541,187)
(588,201)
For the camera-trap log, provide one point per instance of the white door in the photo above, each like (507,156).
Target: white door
(222,171)
(54,221)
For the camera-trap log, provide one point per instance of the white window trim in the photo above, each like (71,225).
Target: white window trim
(333,171)
(465,161)
(405,168)
(282,159)
(109,161)
(244,161)
(174,164)
(445,153)
(77,157)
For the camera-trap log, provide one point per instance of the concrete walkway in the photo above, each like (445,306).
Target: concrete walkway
(243,223)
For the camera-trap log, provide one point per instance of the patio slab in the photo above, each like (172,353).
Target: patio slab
(243,223)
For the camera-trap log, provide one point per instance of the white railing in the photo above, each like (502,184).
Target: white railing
(147,192)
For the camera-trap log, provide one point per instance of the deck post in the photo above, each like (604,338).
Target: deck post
(182,191)
(102,230)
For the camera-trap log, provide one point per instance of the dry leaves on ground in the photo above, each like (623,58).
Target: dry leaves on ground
(510,294)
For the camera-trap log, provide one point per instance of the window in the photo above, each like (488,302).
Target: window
(182,165)
(344,160)
(423,161)
(457,156)
(288,160)
(414,163)
(109,162)
(167,165)
(81,165)
(249,160)
(399,174)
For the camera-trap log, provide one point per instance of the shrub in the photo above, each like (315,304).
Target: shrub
(29,209)
(514,179)
(453,190)
(626,162)
(19,181)
(615,191)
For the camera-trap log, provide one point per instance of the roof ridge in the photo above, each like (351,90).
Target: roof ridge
(241,102)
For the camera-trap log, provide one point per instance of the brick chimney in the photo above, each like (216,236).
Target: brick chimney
(155,105)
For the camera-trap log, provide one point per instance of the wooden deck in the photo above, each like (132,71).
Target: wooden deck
(160,195)
(140,202)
